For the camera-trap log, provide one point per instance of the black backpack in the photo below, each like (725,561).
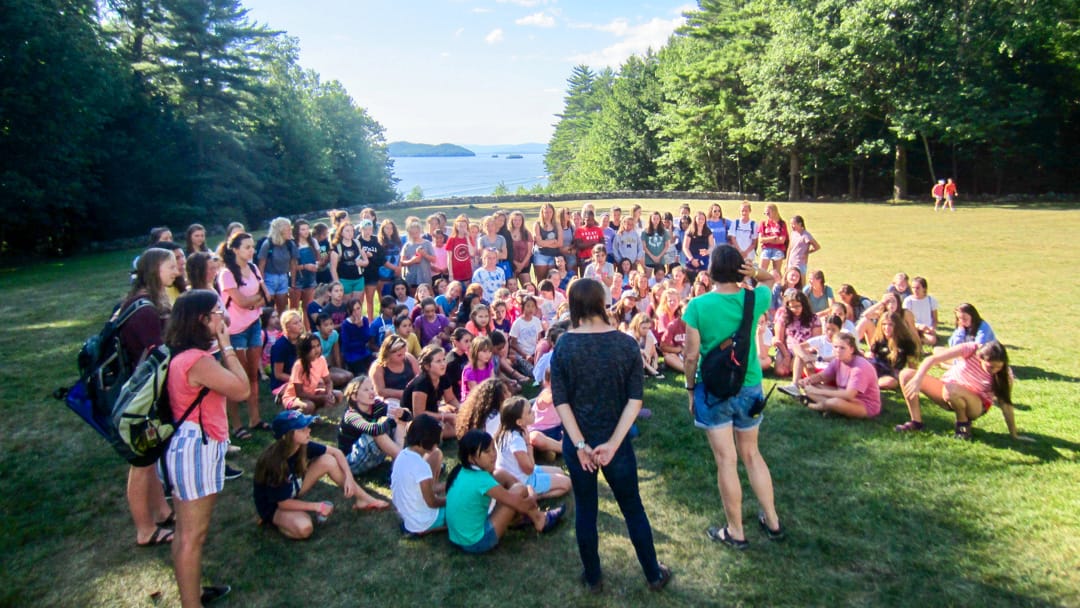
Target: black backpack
(723,369)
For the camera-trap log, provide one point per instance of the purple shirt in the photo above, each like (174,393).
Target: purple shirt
(430,329)
(474,375)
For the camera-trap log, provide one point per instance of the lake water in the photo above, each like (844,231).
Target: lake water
(468,175)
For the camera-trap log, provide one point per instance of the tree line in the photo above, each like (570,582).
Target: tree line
(121,114)
(855,98)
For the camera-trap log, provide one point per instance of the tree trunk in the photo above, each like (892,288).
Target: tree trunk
(851,192)
(900,189)
(793,182)
(929,159)
(814,187)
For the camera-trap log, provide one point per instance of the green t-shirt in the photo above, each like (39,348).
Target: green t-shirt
(467,506)
(716,316)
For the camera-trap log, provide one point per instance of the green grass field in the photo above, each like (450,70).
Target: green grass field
(874,518)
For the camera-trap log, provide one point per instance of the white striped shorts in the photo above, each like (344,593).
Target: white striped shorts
(195,470)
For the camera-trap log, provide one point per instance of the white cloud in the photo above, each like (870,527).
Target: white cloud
(444,54)
(634,40)
(538,19)
(526,3)
(495,36)
(458,32)
(480,9)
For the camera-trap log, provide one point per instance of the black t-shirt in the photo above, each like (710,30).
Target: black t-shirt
(284,352)
(324,276)
(422,383)
(347,256)
(375,259)
(267,497)
(455,364)
(596,374)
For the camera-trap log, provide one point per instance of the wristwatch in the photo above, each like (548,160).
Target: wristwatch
(581,445)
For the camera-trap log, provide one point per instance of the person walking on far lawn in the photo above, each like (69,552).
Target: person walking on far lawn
(950,194)
(938,192)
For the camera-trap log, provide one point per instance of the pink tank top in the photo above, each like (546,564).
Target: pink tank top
(182,395)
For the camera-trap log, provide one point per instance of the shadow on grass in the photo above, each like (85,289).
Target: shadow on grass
(1030,372)
(1045,447)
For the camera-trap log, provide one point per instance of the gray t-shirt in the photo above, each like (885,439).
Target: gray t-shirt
(278,257)
(596,374)
(417,273)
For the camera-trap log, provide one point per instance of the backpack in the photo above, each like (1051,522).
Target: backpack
(723,369)
(142,414)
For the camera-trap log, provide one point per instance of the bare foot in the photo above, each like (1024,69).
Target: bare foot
(370,504)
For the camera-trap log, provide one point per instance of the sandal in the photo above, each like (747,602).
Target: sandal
(161,536)
(963,431)
(552,517)
(213,593)
(910,425)
(168,522)
(777,534)
(242,434)
(721,535)
(262,425)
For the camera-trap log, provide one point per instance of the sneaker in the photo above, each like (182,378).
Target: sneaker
(791,390)
(232,450)
(214,593)
(963,431)
(232,473)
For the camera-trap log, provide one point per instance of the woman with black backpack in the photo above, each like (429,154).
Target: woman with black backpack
(731,424)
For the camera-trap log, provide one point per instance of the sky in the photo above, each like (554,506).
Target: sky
(466,71)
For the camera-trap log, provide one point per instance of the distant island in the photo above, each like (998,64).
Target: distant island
(405,149)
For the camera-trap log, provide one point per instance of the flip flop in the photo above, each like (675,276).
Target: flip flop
(377,505)
(168,522)
(242,434)
(552,517)
(161,536)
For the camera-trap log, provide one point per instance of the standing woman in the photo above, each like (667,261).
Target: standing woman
(521,245)
(657,243)
(244,292)
(549,241)
(391,244)
(569,252)
(277,262)
(195,239)
(598,399)
(730,427)
(773,239)
(154,271)
(373,251)
(697,244)
(195,460)
(347,261)
(307,264)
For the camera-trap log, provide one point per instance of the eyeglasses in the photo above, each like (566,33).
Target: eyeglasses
(218,311)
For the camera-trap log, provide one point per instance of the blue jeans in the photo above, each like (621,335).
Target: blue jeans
(621,475)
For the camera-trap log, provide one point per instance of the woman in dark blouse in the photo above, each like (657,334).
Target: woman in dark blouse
(598,398)
(423,392)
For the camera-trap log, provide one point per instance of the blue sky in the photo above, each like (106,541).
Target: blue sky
(466,71)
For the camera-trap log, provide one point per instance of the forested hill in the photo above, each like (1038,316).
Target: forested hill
(121,115)
(855,98)
(406,149)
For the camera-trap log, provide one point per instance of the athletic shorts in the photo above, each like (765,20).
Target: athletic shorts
(539,481)
(352,285)
(252,337)
(712,413)
(277,284)
(195,470)
(485,544)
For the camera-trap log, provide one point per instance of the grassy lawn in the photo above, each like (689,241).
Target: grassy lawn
(874,518)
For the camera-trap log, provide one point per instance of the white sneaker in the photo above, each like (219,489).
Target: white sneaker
(791,390)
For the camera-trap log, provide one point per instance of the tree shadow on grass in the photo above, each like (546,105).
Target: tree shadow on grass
(1045,447)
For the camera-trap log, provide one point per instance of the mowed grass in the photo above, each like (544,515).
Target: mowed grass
(874,518)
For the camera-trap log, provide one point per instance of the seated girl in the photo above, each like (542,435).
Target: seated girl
(641,330)
(370,429)
(430,391)
(403,327)
(309,387)
(356,339)
(892,349)
(792,279)
(470,489)
(480,320)
(480,366)
(671,344)
(813,355)
(546,432)
(393,368)
(794,324)
(890,304)
(418,496)
(290,467)
(504,367)
(331,350)
(848,386)
(980,375)
(924,307)
(970,327)
(819,294)
(516,452)
(854,303)
(481,409)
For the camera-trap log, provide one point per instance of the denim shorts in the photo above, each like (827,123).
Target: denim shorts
(712,413)
(543,260)
(365,455)
(249,338)
(306,280)
(770,253)
(277,284)
(485,544)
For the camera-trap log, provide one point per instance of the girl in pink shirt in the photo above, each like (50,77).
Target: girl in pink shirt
(848,386)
